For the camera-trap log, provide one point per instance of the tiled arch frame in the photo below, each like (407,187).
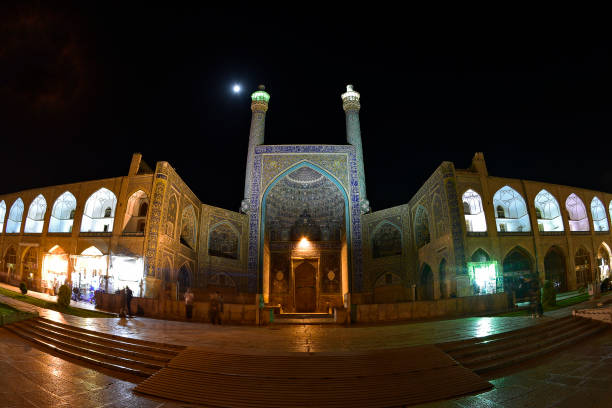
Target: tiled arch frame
(350,192)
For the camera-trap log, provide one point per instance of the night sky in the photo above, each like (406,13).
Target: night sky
(83,86)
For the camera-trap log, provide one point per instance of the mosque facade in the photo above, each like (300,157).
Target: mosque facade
(305,238)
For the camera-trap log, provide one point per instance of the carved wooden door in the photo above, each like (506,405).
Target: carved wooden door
(305,288)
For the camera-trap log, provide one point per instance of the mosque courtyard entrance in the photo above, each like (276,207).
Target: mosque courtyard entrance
(305,255)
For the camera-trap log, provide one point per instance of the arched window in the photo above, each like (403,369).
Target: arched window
(223,241)
(188,227)
(62,214)
(136,212)
(99,213)
(548,212)
(511,211)
(36,215)
(421,228)
(598,212)
(13,224)
(578,220)
(2,215)
(474,214)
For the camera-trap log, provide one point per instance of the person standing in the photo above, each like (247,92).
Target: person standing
(213,308)
(122,300)
(220,314)
(188,303)
(128,298)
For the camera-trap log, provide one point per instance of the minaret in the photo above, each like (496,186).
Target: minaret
(259,107)
(351,106)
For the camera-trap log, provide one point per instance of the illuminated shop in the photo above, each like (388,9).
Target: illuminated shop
(485,277)
(89,270)
(54,268)
(126,270)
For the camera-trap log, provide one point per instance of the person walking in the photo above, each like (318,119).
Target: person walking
(128,298)
(188,303)
(213,308)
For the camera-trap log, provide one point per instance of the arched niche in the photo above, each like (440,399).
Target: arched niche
(578,220)
(603,261)
(29,264)
(183,280)
(443,280)
(548,212)
(422,236)
(510,211)
(2,215)
(136,213)
(517,266)
(171,214)
(188,227)
(475,220)
(426,283)
(598,212)
(555,268)
(13,224)
(10,263)
(62,213)
(480,255)
(54,270)
(36,215)
(582,263)
(99,213)
(223,241)
(386,240)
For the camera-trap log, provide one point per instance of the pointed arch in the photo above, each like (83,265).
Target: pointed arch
(136,212)
(426,283)
(36,215)
(422,236)
(224,240)
(188,227)
(555,268)
(171,215)
(582,263)
(13,224)
(603,261)
(183,279)
(2,215)
(386,240)
(62,213)
(10,263)
(578,220)
(99,212)
(548,212)
(475,220)
(443,279)
(518,264)
(480,255)
(511,211)
(598,212)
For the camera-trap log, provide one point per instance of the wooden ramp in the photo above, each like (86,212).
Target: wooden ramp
(389,378)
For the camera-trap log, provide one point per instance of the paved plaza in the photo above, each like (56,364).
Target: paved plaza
(33,378)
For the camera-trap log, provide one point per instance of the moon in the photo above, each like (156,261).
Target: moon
(236,88)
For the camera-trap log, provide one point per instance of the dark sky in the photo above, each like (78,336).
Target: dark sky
(83,86)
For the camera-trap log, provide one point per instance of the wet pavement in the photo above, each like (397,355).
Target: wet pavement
(579,376)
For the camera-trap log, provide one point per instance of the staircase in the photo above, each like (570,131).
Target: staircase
(304,318)
(486,354)
(120,354)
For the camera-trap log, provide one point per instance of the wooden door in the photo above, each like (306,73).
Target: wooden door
(305,288)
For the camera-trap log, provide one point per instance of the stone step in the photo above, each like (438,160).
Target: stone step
(455,346)
(172,348)
(90,352)
(514,340)
(532,343)
(102,345)
(80,355)
(489,366)
(110,339)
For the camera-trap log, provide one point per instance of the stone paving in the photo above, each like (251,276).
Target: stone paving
(579,376)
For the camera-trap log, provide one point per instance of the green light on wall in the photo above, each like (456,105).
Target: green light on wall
(485,277)
(260,96)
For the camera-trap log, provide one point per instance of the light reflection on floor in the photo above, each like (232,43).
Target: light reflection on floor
(484,327)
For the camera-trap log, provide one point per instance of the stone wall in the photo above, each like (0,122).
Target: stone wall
(453,307)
